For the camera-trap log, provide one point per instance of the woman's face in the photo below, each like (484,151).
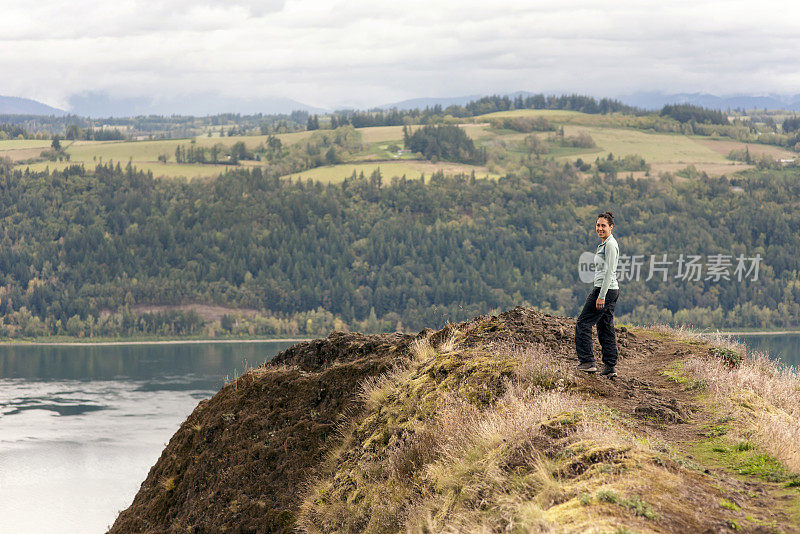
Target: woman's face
(602,228)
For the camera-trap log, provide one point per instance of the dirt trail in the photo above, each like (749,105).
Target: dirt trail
(665,410)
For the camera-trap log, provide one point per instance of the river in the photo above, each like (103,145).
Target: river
(783,347)
(80,426)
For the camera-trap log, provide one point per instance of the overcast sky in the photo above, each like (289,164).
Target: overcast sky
(367,52)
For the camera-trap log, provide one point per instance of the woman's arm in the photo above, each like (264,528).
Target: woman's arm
(612,254)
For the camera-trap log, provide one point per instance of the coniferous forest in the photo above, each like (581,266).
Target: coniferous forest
(81,248)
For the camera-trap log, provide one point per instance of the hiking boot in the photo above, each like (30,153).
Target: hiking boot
(587,367)
(609,370)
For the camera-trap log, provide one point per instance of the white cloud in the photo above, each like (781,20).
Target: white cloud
(366,52)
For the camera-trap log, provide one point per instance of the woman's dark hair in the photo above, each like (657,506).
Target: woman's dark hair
(607,215)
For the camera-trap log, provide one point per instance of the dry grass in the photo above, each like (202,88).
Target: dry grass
(411,168)
(452,464)
(377,390)
(758,390)
(470,485)
(653,147)
(687,334)
(762,392)
(756,150)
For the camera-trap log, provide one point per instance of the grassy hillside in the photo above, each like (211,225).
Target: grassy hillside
(662,142)
(412,170)
(485,426)
(145,155)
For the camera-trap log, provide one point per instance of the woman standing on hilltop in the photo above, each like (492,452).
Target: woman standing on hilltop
(599,306)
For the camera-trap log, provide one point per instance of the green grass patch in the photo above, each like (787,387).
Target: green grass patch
(609,496)
(725,503)
(675,373)
(743,458)
(382,151)
(794,508)
(634,503)
(639,507)
(764,466)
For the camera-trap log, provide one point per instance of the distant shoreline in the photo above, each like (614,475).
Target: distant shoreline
(154,342)
(274,340)
(755,333)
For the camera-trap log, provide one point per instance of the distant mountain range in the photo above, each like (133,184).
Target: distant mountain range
(422,103)
(198,104)
(99,105)
(654,100)
(12,105)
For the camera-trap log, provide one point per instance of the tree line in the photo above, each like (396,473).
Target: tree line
(75,132)
(217,154)
(156,126)
(692,113)
(481,106)
(14,131)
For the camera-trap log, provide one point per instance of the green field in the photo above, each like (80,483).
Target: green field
(381,134)
(19,144)
(611,133)
(653,147)
(251,141)
(412,169)
(168,170)
(143,152)
(552,115)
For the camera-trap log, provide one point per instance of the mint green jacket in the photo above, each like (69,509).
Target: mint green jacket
(605,266)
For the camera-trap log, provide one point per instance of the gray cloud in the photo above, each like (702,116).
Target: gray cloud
(363,52)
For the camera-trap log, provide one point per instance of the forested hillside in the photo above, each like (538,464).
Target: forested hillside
(80,248)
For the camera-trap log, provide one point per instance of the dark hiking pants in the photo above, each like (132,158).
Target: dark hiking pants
(604,319)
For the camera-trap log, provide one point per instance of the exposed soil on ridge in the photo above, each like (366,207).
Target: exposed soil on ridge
(240,461)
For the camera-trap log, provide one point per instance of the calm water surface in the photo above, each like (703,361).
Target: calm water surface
(80,427)
(783,347)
